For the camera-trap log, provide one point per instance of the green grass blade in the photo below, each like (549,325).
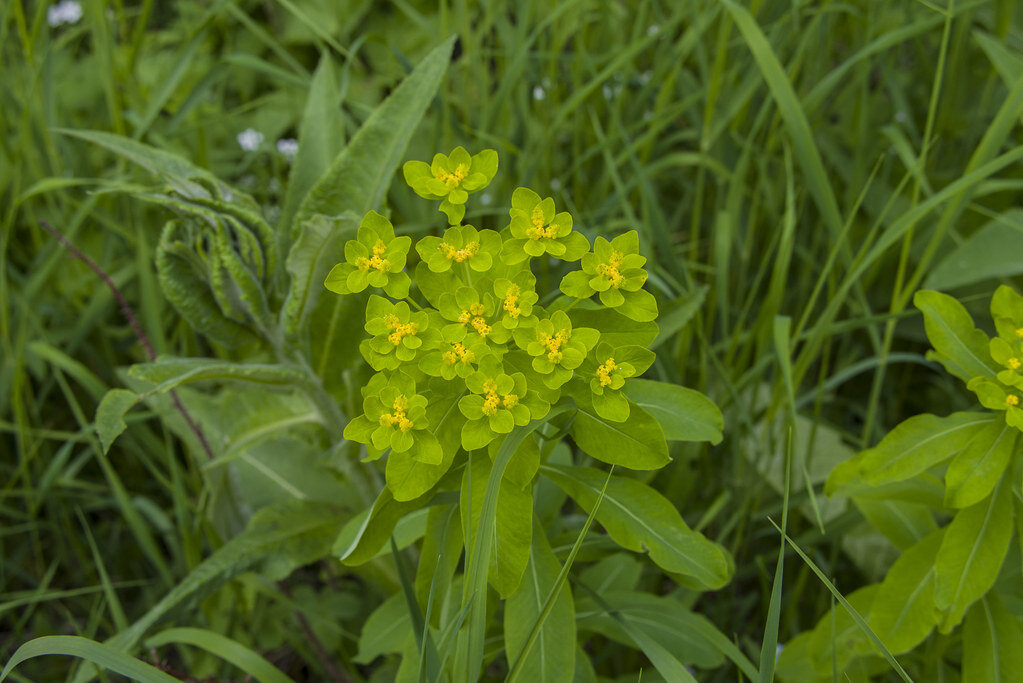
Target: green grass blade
(99,654)
(225,648)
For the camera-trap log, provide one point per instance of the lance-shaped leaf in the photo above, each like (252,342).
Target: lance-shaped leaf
(110,415)
(958,344)
(971,555)
(639,518)
(991,643)
(552,657)
(637,443)
(684,414)
(973,474)
(914,446)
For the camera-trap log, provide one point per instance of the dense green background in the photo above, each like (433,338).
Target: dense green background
(816,160)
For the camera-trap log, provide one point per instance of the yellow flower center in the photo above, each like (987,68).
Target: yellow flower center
(492,400)
(397,415)
(1012,400)
(610,271)
(400,329)
(554,343)
(604,372)
(463,317)
(1019,333)
(539,230)
(458,353)
(459,255)
(481,326)
(1014,363)
(376,261)
(511,301)
(454,178)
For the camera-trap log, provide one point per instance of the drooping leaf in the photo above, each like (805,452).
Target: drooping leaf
(367,532)
(684,414)
(639,518)
(320,245)
(100,654)
(110,415)
(168,373)
(552,657)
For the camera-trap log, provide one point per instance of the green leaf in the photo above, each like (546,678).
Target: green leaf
(513,523)
(986,254)
(975,472)
(277,540)
(640,519)
(958,345)
(902,523)
(912,447)
(552,657)
(684,414)
(361,173)
(110,415)
(320,135)
(385,631)
(223,647)
(439,557)
(167,373)
(971,555)
(367,532)
(99,654)
(666,620)
(991,643)
(615,328)
(637,443)
(320,245)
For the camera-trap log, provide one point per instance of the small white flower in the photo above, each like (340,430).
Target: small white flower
(555,184)
(539,93)
(64,12)
(250,139)
(608,92)
(485,199)
(652,29)
(644,77)
(288,147)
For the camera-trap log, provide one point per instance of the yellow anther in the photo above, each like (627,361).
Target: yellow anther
(401,330)
(491,401)
(376,262)
(458,353)
(511,302)
(1019,333)
(604,372)
(463,317)
(477,309)
(1014,363)
(510,400)
(610,271)
(454,178)
(459,255)
(490,386)
(1012,400)
(554,343)
(397,415)
(481,326)
(538,230)
(379,248)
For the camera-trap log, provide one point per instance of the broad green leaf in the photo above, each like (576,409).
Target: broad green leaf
(678,314)
(684,414)
(408,478)
(974,473)
(640,519)
(912,447)
(439,557)
(971,555)
(110,415)
(277,540)
(168,373)
(223,647)
(664,619)
(838,637)
(552,657)
(386,630)
(100,654)
(617,572)
(320,136)
(902,523)
(904,613)
(958,345)
(986,254)
(991,643)
(638,443)
(367,532)
(513,523)
(361,173)
(615,328)
(320,245)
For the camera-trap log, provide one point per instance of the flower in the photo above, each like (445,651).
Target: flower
(471,315)
(250,139)
(394,417)
(460,244)
(375,258)
(288,147)
(607,369)
(517,296)
(556,348)
(64,12)
(614,271)
(497,404)
(397,333)
(452,178)
(454,357)
(536,229)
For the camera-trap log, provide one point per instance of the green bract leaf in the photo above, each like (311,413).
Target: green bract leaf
(537,229)
(684,414)
(639,518)
(452,177)
(638,443)
(958,345)
(973,474)
(376,258)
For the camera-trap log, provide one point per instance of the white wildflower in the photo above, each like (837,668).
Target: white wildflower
(288,147)
(250,139)
(64,12)
(539,93)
